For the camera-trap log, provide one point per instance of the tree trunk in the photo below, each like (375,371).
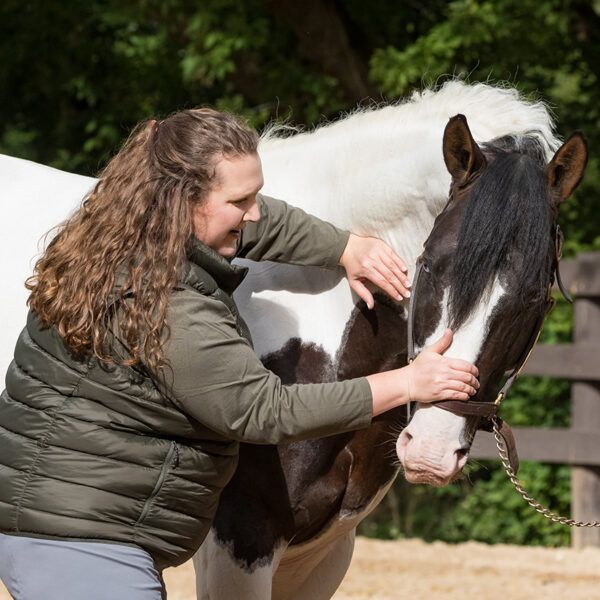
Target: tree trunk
(323,39)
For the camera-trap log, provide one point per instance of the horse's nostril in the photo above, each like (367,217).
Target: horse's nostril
(461,453)
(406,437)
(402,445)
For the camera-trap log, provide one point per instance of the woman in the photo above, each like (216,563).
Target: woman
(135,380)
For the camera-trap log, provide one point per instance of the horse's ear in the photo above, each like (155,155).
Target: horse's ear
(462,155)
(565,170)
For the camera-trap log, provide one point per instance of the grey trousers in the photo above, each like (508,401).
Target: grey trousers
(39,569)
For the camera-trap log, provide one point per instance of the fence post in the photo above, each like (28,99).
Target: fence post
(585,405)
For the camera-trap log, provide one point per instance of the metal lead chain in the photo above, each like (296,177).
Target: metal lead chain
(536,505)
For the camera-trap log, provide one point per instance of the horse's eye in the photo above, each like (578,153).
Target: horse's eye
(426,267)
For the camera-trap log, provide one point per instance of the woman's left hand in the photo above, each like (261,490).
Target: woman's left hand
(368,258)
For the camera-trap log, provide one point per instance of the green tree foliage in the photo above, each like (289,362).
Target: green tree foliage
(548,49)
(76,75)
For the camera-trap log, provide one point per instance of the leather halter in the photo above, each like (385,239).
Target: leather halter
(488,410)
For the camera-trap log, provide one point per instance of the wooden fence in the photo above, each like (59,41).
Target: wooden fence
(578,445)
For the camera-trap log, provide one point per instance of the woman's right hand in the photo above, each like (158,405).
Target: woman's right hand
(432,377)
(429,378)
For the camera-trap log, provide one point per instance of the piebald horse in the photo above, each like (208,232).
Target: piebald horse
(286,523)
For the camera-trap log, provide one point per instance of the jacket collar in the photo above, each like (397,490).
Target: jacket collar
(202,258)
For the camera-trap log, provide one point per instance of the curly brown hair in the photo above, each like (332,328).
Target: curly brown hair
(128,238)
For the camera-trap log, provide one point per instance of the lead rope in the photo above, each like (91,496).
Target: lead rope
(517,485)
(552,516)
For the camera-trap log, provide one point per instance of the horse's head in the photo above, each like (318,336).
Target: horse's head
(485,272)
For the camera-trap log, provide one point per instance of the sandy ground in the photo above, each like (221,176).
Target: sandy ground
(415,570)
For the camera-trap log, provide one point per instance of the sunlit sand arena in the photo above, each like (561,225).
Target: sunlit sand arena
(419,571)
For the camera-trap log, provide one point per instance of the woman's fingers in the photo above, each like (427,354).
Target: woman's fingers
(441,344)
(462,365)
(466,378)
(395,277)
(441,378)
(388,282)
(399,263)
(460,387)
(451,395)
(396,265)
(372,259)
(363,292)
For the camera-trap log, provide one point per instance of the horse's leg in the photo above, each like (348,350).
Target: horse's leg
(358,477)
(219,576)
(250,530)
(315,577)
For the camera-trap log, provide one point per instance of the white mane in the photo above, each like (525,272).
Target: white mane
(378,171)
(504,107)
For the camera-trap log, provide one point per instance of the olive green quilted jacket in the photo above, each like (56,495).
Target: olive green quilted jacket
(110,454)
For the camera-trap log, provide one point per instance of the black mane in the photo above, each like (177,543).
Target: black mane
(508,217)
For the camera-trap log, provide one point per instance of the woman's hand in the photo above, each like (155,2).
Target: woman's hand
(429,378)
(432,377)
(367,258)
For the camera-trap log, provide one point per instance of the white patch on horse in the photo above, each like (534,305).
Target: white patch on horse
(307,303)
(35,198)
(219,576)
(314,569)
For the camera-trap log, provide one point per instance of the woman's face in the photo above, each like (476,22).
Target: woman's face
(218,221)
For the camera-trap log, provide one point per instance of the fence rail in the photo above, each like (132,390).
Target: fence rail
(578,445)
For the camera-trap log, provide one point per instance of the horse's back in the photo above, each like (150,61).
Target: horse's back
(33,199)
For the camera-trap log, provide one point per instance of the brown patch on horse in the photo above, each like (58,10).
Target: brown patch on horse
(297,362)
(293,491)
(260,506)
(254,511)
(343,473)
(374,341)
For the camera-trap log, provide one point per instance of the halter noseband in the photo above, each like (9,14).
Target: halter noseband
(488,411)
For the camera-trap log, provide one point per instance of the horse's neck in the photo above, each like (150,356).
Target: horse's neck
(380,183)
(383,186)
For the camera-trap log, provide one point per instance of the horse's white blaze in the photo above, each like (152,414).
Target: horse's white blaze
(469,338)
(434,435)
